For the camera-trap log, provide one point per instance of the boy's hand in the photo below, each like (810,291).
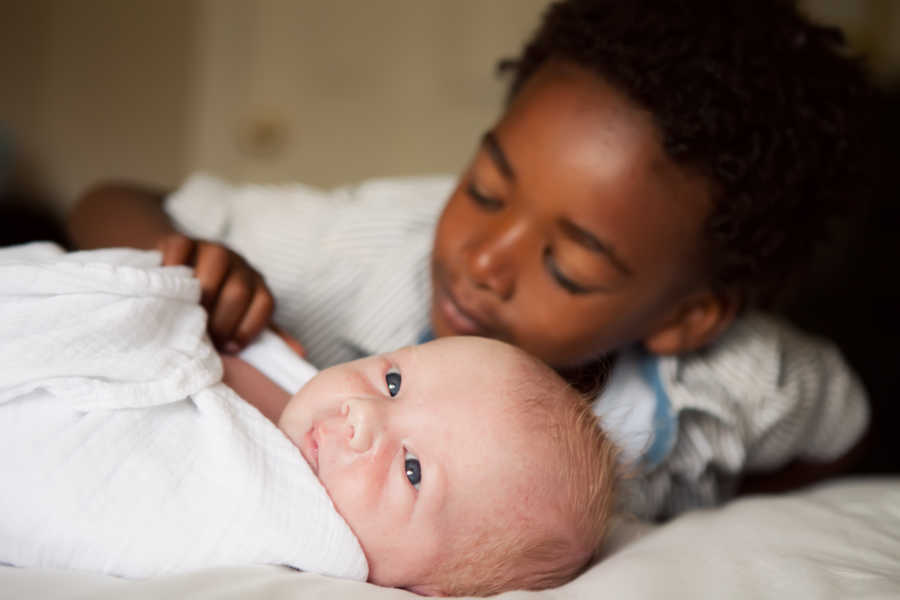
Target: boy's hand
(236,297)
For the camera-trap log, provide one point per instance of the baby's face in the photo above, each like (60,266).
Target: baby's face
(417,449)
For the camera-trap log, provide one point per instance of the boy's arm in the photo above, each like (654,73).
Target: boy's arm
(119,215)
(775,398)
(234,294)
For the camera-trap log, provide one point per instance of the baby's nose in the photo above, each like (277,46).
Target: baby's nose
(363,418)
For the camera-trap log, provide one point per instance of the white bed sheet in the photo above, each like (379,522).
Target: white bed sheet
(840,540)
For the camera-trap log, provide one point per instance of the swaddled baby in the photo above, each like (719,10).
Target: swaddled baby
(460,466)
(464,465)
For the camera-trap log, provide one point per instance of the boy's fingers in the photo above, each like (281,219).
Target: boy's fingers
(231,304)
(257,317)
(211,268)
(176,249)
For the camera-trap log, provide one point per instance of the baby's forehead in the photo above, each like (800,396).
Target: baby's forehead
(468,355)
(500,441)
(490,373)
(509,480)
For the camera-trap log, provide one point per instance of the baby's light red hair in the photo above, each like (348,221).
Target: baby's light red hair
(523,553)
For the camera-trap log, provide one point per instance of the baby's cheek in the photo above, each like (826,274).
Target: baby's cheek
(371,502)
(351,485)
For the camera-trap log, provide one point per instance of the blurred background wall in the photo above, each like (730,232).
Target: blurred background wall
(324,92)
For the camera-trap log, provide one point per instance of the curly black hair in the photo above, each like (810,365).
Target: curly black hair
(751,94)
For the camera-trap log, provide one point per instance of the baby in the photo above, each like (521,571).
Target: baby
(464,466)
(461,466)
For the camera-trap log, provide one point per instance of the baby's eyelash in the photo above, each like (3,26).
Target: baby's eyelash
(413,468)
(393,380)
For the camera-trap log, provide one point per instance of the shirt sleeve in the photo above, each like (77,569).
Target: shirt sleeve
(769,393)
(763,395)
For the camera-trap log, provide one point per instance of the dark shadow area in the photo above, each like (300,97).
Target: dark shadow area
(857,301)
(23,219)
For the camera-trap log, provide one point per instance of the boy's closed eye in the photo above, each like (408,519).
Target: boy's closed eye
(561,278)
(567,283)
(482,199)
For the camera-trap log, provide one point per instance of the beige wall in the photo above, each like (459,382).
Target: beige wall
(872,28)
(321,91)
(96,88)
(329,92)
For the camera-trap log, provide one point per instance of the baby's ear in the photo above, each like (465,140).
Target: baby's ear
(695,322)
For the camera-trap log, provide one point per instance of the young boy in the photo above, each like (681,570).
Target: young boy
(462,466)
(659,170)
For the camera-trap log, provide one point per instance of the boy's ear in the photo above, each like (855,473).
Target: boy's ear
(694,323)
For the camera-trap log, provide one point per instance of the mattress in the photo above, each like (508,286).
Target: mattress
(837,540)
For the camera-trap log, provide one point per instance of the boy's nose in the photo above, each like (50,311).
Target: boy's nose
(363,419)
(493,260)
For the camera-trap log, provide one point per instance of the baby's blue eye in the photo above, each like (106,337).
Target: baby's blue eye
(393,379)
(413,469)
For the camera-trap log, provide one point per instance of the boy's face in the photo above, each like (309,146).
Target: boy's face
(417,449)
(571,234)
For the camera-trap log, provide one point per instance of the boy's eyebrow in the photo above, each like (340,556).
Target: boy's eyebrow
(588,240)
(490,143)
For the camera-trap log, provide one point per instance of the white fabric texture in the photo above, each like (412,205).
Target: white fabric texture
(121,451)
(272,357)
(350,272)
(837,542)
(626,407)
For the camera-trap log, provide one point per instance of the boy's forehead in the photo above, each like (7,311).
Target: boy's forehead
(560,88)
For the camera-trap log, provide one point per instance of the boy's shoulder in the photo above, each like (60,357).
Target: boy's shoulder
(761,362)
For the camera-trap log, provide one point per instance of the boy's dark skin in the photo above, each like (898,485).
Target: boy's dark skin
(573,233)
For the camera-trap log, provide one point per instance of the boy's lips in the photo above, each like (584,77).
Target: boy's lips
(460,318)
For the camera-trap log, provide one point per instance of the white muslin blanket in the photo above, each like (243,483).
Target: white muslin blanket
(121,451)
